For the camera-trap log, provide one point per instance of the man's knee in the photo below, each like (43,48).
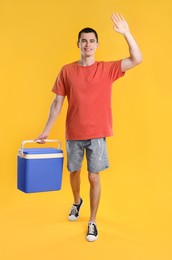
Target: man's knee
(75,173)
(94,178)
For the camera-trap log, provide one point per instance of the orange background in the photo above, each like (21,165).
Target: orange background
(134,218)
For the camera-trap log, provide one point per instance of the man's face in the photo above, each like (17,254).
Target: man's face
(88,44)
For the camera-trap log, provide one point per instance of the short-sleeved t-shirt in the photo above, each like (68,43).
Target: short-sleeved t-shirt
(88,90)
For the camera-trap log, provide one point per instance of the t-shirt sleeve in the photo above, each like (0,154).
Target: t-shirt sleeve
(115,71)
(59,85)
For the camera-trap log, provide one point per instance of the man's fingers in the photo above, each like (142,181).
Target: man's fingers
(39,140)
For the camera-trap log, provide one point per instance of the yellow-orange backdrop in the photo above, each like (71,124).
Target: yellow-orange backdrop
(36,39)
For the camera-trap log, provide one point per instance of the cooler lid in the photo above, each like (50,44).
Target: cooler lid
(38,153)
(41,150)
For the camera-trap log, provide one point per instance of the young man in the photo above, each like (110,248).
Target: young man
(87,85)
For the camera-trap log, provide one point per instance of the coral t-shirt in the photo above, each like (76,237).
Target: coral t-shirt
(88,90)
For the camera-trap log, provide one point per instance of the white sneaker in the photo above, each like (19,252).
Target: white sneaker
(92,233)
(74,212)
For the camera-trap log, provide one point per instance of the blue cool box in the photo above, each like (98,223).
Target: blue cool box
(39,169)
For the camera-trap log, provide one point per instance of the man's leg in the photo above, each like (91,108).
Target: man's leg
(97,160)
(95,191)
(75,153)
(75,185)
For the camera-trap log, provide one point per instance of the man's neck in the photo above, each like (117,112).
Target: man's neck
(86,61)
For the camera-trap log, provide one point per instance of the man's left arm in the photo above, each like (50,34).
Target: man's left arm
(135,58)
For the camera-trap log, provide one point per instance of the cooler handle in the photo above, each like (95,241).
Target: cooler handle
(32,141)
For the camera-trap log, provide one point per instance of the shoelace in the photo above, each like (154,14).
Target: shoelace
(74,210)
(91,228)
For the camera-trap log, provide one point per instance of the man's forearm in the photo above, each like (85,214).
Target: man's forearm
(134,50)
(53,114)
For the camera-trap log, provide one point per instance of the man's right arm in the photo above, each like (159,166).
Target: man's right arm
(55,109)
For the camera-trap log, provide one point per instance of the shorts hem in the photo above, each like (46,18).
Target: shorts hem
(100,170)
(75,170)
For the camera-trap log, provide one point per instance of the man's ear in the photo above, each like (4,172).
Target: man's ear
(78,44)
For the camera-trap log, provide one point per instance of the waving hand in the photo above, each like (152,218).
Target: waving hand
(119,23)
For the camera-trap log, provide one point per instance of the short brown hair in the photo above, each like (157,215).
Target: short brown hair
(87,30)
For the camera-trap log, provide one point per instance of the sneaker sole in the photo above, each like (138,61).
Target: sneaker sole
(91,238)
(72,218)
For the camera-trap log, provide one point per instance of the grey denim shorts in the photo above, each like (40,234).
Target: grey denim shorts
(96,154)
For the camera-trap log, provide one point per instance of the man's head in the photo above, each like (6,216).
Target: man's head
(87,42)
(87,30)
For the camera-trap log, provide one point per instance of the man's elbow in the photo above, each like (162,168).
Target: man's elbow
(138,60)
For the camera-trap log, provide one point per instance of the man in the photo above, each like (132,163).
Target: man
(87,85)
